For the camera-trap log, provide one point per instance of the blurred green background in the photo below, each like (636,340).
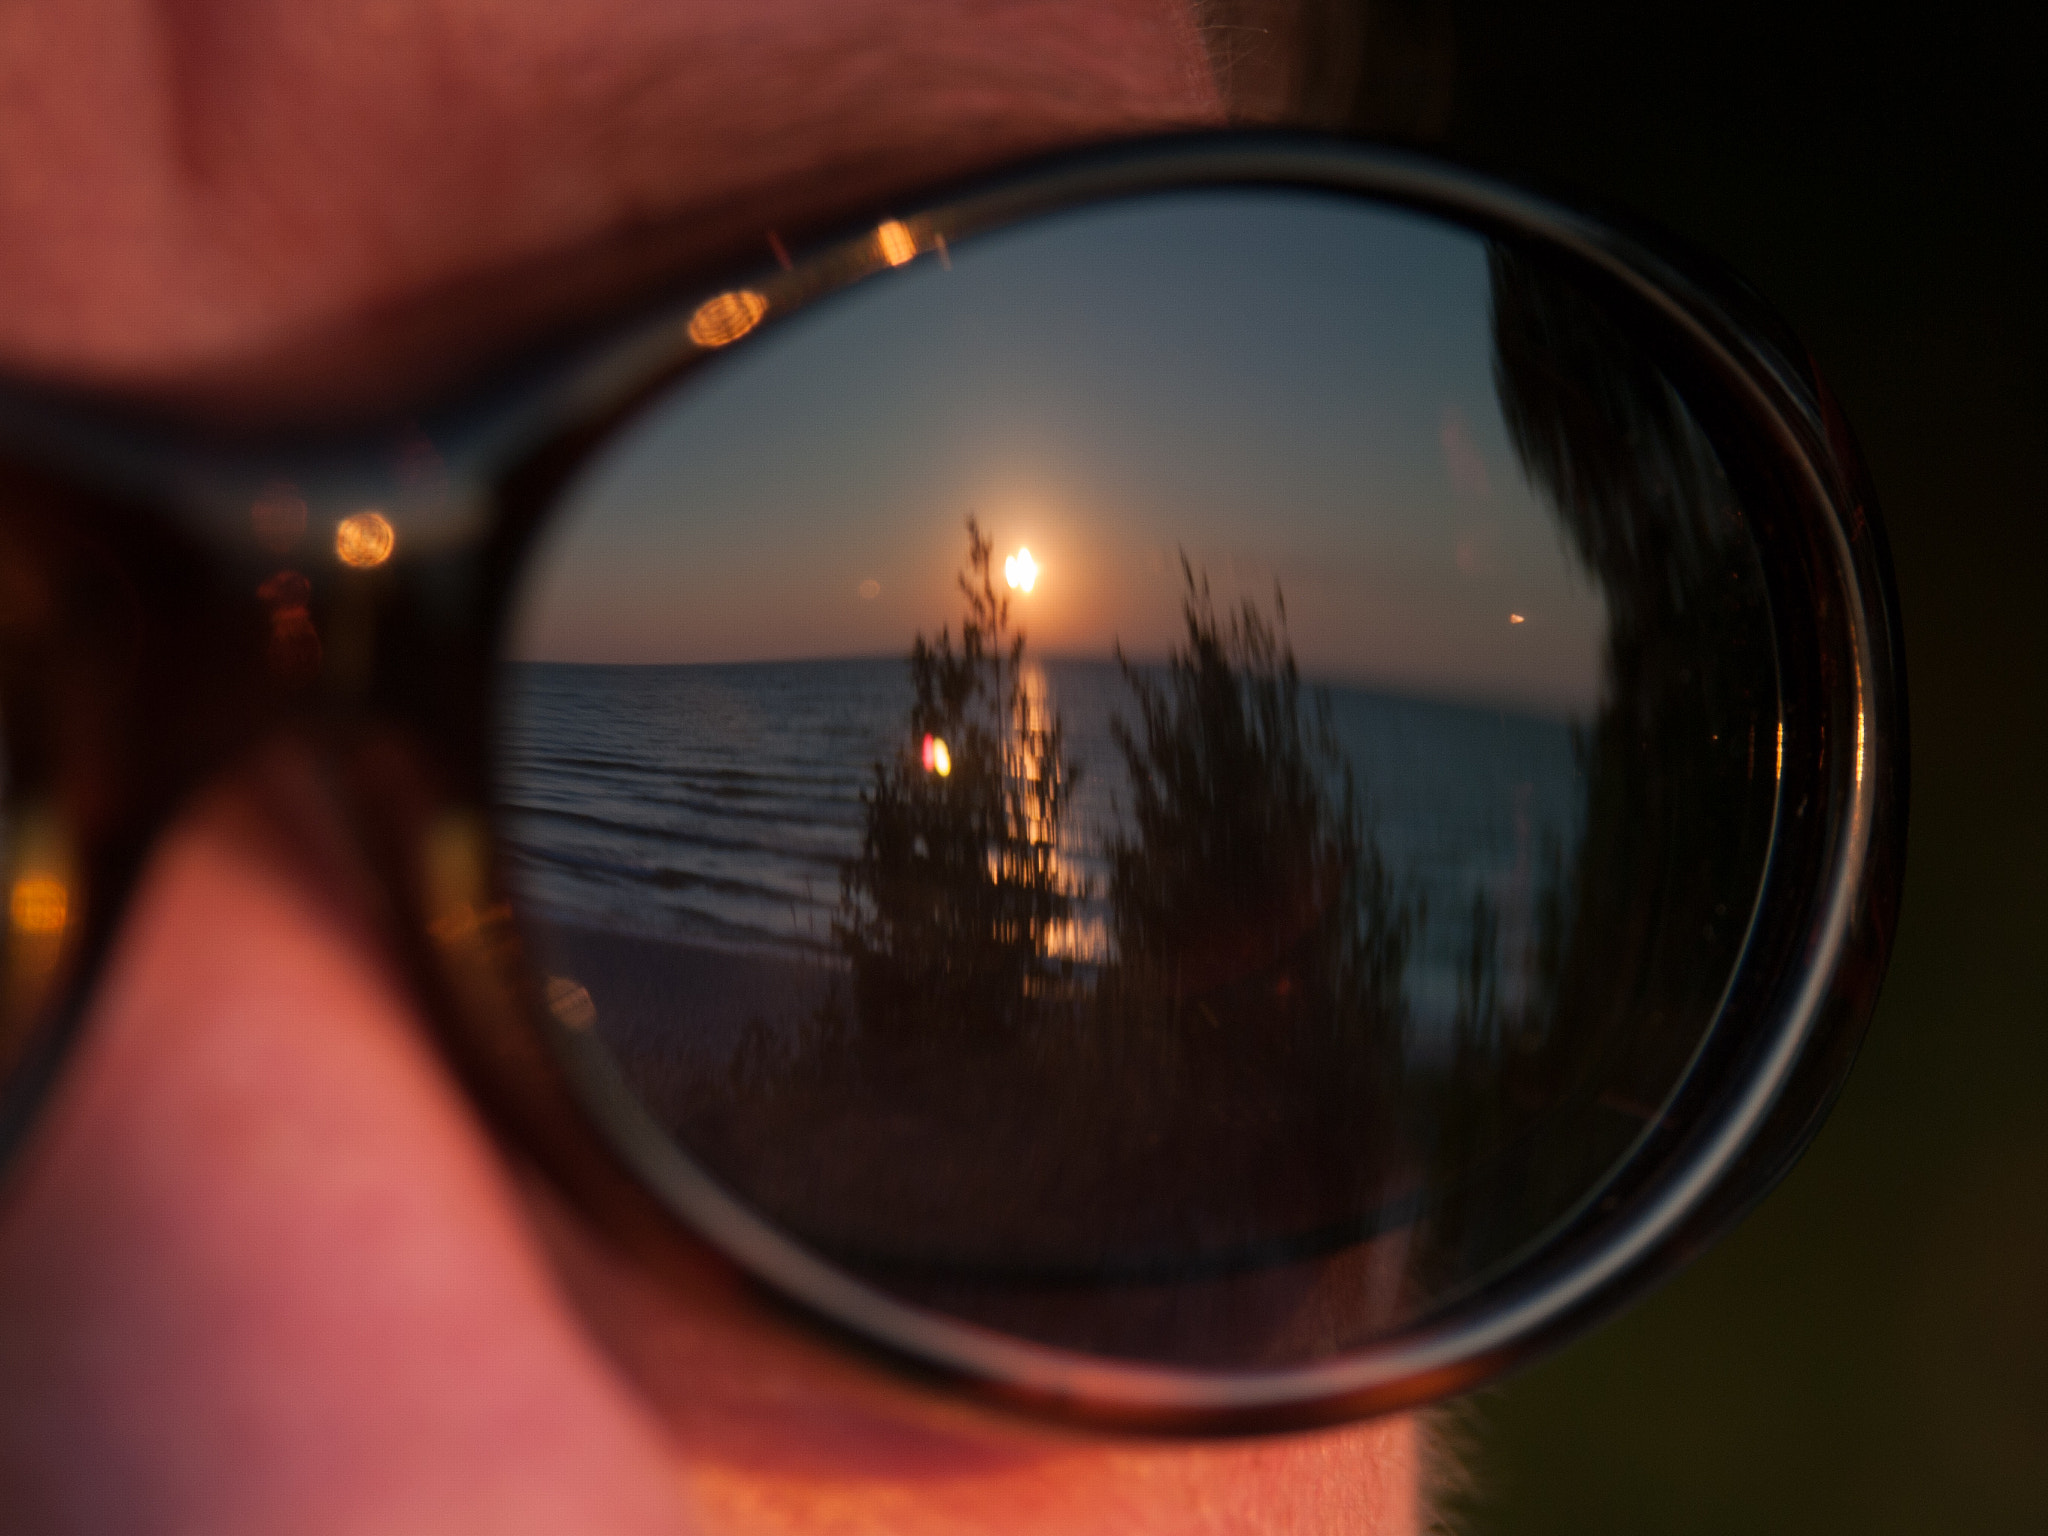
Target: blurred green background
(1869,1353)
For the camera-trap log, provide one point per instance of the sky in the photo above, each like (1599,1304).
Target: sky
(1290,388)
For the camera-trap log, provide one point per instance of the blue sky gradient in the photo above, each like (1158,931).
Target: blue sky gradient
(1291,387)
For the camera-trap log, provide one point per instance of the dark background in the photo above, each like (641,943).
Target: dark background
(1869,1353)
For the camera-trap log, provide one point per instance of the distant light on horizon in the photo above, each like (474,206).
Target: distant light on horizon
(1516,618)
(1021,571)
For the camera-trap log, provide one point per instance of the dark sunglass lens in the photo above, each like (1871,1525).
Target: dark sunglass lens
(1185,781)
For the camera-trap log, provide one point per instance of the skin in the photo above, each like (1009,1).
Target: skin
(261,1268)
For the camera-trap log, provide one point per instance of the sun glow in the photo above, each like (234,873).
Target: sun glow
(1021,571)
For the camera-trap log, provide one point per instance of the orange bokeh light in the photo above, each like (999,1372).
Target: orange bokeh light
(364,540)
(724,318)
(896,243)
(39,904)
(937,757)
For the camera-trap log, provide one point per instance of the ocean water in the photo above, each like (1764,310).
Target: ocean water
(716,804)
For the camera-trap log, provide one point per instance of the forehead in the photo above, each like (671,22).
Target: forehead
(197,190)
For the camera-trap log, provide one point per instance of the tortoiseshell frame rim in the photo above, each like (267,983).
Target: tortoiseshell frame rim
(1792,1017)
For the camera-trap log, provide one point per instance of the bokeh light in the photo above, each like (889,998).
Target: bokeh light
(364,540)
(724,318)
(896,243)
(39,904)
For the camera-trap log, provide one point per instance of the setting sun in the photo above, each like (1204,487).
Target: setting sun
(1021,571)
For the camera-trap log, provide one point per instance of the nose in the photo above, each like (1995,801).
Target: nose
(260,1267)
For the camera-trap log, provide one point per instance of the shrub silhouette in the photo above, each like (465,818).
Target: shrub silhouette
(1247,874)
(982,1120)
(950,913)
(1254,990)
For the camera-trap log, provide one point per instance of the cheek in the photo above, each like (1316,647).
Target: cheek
(1358,1481)
(258,1259)
(780,1432)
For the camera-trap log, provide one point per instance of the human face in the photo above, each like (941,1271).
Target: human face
(261,1267)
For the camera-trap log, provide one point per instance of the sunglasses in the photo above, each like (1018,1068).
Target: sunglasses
(1227,782)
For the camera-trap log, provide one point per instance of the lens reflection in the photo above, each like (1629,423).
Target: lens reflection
(1186,785)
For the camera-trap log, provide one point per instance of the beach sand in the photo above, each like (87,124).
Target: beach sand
(672,1010)
(979,1183)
